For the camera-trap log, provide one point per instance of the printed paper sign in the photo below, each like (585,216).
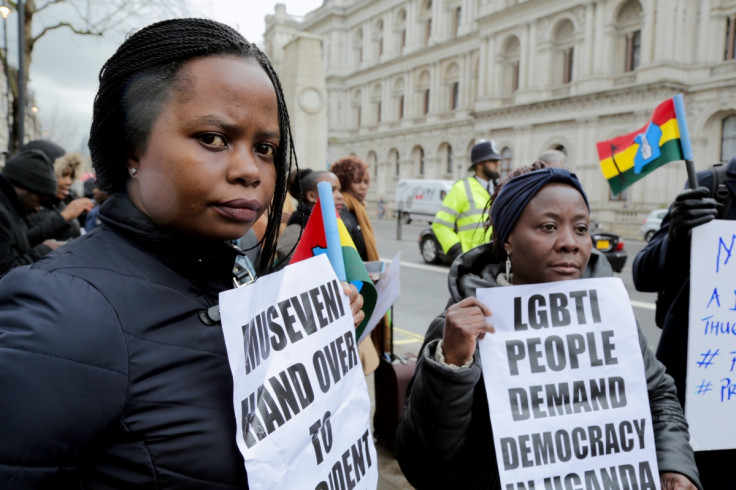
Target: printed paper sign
(710,399)
(387,289)
(301,402)
(566,388)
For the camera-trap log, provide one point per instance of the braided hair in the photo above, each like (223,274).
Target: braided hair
(135,83)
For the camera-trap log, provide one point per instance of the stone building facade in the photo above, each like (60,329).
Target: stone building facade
(410,85)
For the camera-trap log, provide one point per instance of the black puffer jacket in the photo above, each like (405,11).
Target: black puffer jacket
(444,438)
(109,377)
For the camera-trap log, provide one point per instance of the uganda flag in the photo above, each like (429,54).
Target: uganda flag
(663,139)
(314,241)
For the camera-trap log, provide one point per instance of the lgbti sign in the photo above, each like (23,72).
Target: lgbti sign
(566,387)
(710,399)
(301,402)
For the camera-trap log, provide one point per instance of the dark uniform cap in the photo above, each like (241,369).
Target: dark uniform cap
(31,170)
(483,151)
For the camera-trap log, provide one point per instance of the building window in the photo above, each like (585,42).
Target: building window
(622,196)
(427,31)
(421,161)
(506,158)
(448,168)
(380,47)
(567,65)
(396,164)
(401,107)
(730,49)
(425,102)
(514,76)
(454,95)
(378,111)
(357,116)
(633,48)
(458,20)
(728,139)
(403,40)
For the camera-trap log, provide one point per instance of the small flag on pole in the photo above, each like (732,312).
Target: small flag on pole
(326,233)
(663,139)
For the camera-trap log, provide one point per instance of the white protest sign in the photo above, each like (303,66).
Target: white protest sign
(566,388)
(710,399)
(301,401)
(387,290)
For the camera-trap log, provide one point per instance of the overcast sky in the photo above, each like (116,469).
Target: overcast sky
(65,66)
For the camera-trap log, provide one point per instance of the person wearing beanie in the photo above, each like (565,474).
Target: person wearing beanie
(48,148)
(458,225)
(26,179)
(61,216)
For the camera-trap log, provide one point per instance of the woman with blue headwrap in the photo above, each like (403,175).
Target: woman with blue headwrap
(541,220)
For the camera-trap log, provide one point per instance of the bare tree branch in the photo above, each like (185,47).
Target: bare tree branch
(74,29)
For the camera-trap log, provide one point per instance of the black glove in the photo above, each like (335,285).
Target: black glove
(693,207)
(455,251)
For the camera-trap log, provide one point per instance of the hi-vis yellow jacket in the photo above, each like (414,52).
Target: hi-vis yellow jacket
(461,217)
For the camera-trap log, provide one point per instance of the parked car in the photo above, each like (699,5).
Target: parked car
(610,244)
(652,223)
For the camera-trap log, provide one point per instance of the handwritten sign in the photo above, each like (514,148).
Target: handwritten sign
(301,402)
(710,400)
(566,387)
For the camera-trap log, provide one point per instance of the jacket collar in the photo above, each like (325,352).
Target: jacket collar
(191,256)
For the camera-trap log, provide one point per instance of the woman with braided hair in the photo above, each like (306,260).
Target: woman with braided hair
(125,383)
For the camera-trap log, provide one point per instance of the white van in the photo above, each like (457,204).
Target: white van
(420,198)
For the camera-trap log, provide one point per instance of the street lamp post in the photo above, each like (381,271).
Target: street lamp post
(5,11)
(21,73)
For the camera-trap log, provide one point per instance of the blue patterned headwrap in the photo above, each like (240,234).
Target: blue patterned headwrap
(517,192)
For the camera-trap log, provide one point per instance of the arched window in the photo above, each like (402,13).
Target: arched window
(372,160)
(396,164)
(358,47)
(448,167)
(728,138)
(423,89)
(355,104)
(400,30)
(629,22)
(378,38)
(425,22)
(397,94)
(376,102)
(452,84)
(506,158)
(511,60)
(564,50)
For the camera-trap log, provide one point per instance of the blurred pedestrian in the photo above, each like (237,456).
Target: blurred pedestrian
(59,216)
(26,179)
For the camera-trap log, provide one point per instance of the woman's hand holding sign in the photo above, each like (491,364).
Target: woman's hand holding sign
(356,302)
(464,324)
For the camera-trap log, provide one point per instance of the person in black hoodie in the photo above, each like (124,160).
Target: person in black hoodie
(26,180)
(541,222)
(114,375)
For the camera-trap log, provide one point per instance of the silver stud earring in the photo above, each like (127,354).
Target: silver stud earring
(508,267)
(133,171)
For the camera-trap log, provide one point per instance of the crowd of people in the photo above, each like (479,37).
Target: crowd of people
(192,152)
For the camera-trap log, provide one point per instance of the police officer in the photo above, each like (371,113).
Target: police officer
(458,225)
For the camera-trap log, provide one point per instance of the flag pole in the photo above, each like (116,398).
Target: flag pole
(687,149)
(332,235)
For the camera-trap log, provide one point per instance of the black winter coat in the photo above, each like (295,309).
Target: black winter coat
(15,249)
(109,377)
(444,438)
